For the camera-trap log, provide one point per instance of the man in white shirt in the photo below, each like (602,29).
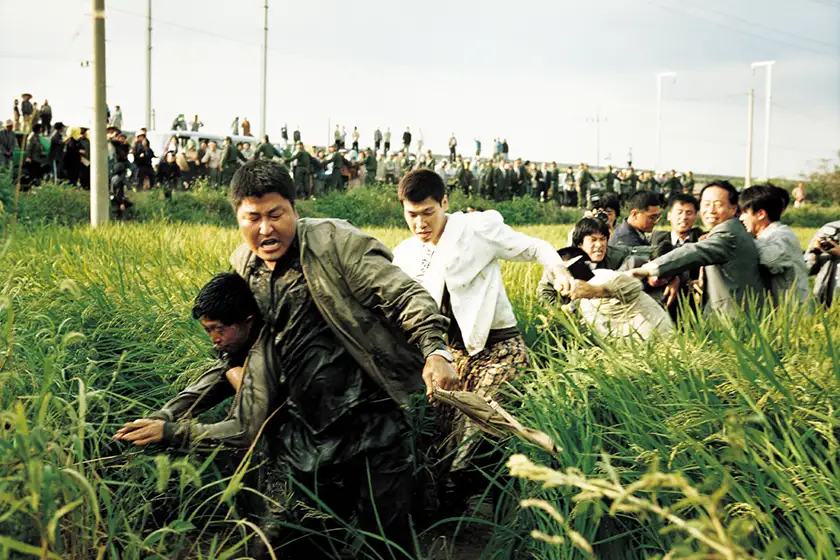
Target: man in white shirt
(456,258)
(779,252)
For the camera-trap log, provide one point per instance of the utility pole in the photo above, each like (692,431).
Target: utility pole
(99,202)
(597,121)
(769,65)
(659,77)
(750,113)
(264,70)
(149,65)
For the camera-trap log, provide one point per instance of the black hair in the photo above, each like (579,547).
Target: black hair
(763,197)
(226,298)
(642,200)
(420,184)
(258,178)
(684,198)
(36,128)
(725,185)
(589,226)
(607,200)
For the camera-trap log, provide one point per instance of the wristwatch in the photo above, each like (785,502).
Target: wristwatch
(443,353)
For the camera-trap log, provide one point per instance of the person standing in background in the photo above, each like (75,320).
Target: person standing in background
(16,114)
(453,147)
(799,196)
(407,139)
(46,117)
(117,120)
(27,112)
(377,139)
(196,124)
(355,139)
(56,154)
(8,144)
(246,127)
(234,126)
(387,140)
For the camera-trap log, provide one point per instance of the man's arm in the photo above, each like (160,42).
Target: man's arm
(715,249)
(255,400)
(775,254)
(377,283)
(207,391)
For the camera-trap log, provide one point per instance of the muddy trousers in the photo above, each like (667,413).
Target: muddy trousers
(375,489)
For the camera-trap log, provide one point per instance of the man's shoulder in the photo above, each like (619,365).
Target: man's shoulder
(660,236)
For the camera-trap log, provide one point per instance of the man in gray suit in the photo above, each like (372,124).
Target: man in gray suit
(779,251)
(727,254)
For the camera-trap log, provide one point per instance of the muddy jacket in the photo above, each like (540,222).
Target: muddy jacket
(388,322)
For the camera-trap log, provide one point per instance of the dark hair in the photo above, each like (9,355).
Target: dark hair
(785,196)
(420,184)
(642,200)
(683,198)
(36,128)
(588,226)
(607,200)
(258,178)
(725,185)
(226,298)
(763,197)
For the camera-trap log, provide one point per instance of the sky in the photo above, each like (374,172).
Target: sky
(538,73)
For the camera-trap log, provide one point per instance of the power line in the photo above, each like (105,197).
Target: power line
(762,26)
(735,29)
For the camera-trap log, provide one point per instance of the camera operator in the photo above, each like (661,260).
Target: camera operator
(822,258)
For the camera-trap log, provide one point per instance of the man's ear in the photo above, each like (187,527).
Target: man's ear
(444,203)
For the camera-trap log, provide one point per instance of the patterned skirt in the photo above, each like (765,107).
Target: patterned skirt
(484,374)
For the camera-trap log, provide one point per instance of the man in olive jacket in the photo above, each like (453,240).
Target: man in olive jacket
(727,254)
(346,337)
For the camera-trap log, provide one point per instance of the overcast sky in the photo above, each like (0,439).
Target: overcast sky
(534,72)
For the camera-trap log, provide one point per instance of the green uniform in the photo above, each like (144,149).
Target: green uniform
(229,163)
(267,151)
(370,167)
(302,164)
(609,182)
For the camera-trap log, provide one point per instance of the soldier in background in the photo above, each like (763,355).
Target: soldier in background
(377,139)
(387,140)
(407,139)
(583,184)
(301,162)
(229,161)
(609,180)
(46,117)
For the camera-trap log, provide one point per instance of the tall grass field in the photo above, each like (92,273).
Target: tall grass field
(720,443)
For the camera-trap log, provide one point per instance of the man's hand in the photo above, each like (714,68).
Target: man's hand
(438,372)
(141,432)
(562,281)
(640,273)
(672,290)
(816,248)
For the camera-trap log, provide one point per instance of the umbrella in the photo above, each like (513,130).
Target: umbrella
(490,417)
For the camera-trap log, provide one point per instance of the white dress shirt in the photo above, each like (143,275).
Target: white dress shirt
(466,262)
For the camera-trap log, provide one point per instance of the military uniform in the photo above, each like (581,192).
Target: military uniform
(229,162)
(609,181)
(301,163)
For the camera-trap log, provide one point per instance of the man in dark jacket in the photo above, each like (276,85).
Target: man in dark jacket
(34,156)
(645,213)
(301,163)
(346,336)
(46,117)
(406,139)
(229,162)
(56,155)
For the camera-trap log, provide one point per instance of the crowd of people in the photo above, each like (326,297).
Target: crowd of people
(324,334)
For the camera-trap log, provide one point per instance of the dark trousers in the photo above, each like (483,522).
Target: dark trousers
(302,183)
(144,173)
(376,145)
(452,154)
(46,125)
(355,145)
(375,488)
(387,147)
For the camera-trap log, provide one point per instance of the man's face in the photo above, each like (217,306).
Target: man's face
(715,207)
(268,224)
(213,146)
(751,221)
(645,220)
(595,246)
(426,219)
(227,338)
(682,217)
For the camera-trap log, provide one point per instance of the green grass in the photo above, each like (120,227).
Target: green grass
(95,330)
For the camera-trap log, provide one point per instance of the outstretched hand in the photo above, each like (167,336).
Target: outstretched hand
(141,432)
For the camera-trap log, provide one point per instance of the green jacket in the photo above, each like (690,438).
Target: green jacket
(388,322)
(304,161)
(267,151)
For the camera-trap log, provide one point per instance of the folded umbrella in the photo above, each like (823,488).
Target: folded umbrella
(491,418)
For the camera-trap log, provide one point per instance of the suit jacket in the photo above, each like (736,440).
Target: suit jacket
(659,237)
(730,260)
(627,236)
